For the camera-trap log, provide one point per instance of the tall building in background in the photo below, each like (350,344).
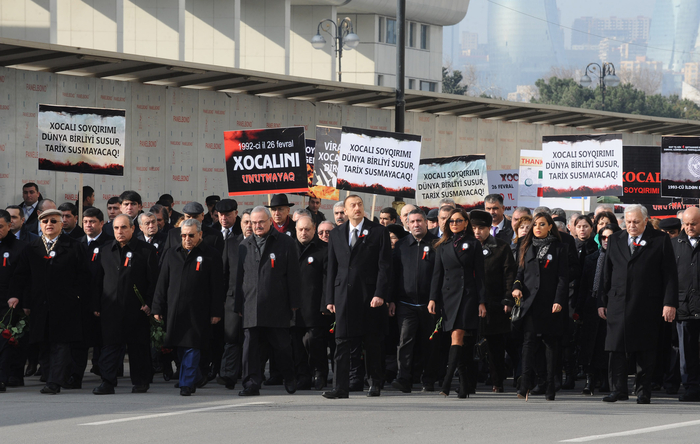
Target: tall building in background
(673,37)
(523,49)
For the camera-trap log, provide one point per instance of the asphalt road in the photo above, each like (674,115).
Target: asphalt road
(217,415)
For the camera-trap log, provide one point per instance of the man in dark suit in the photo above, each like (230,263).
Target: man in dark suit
(640,289)
(167,201)
(315,209)
(114,209)
(17,225)
(149,232)
(70,220)
(443,214)
(267,293)
(31,197)
(124,265)
(500,228)
(310,324)
(211,217)
(231,358)
(358,283)
(94,238)
(131,204)
(189,297)
(11,358)
(412,275)
(211,237)
(53,272)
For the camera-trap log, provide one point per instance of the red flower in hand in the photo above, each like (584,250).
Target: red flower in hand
(13,341)
(575,316)
(7,334)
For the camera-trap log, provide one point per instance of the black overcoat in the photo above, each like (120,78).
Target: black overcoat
(500,269)
(188,298)
(11,250)
(210,237)
(313,264)
(232,320)
(121,317)
(636,289)
(459,279)
(544,284)
(91,323)
(412,269)
(357,275)
(266,295)
(57,286)
(688,264)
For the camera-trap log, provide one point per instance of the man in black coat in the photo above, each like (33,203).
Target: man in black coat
(411,277)
(281,221)
(11,249)
(150,233)
(267,293)
(31,197)
(189,298)
(310,324)
(358,284)
(640,289)
(70,220)
(500,228)
(211,237)
(500,269)
(125,265)
(17,226)
(687,253)
(54,274)
(231,358)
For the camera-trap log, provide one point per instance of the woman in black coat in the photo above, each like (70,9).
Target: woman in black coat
(593,329)
(458,287)
(542,285)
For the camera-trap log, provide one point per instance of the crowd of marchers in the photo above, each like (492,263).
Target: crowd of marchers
(407,300)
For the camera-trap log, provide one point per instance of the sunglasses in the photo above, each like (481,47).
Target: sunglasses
(604,237)
(324,232)
(49,221)
(456,221)
(186,235)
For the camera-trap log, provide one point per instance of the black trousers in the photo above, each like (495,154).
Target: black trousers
(416,325)
(531,342)
(9,356)
(688,337)
(374,358)
(309,344)
(617,371)
(497,358)
(56,358)
(140,367)
(279,340)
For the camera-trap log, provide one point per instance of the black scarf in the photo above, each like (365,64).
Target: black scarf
(543,245)
(458,237)
(598,273)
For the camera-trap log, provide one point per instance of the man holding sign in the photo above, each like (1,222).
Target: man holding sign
(359,267)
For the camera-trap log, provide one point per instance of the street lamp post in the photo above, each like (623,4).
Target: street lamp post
(345,38)
(606,77)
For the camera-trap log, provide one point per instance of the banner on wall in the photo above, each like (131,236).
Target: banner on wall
(266,161)
(505,183)
(378,162)
(680,166)
(461,178)
(326,156)
(582,165)
(318,191)
(78,139)
(530,186)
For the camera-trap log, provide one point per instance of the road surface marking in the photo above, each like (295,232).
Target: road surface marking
(635,432)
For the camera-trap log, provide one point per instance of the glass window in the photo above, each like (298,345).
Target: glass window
(427,86)
(381,30)
(380,80)
(411,84)
(391,31)
(412,35)
(424,36)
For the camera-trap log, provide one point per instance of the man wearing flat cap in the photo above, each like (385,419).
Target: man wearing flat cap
(500,271)
(671,226)
(53,273)
(279,208)
(211,237)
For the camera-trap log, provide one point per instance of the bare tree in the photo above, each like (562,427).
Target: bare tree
(480,83)
(642,78)
(563,72)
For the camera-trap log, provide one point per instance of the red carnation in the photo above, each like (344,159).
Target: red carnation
(13,341)
(575,316)
(7,334)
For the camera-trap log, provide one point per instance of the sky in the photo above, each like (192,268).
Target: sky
(476,18)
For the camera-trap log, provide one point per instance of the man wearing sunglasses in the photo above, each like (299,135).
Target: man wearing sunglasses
(211,237)
(54,272)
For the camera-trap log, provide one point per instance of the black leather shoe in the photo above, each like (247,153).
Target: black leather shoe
(335,394)
(31,370)
(373,391)
(51,389)
(402,386)
(104,389)
(274,380)
(167,372)
(202,382)
(356,387)
(690,396)
(616,396)
(185,391)
(291,386)
(228,382)
(140,388)
(249,391)
(2,387)
(428,387)
(73,384)
(320,382)
(643,399)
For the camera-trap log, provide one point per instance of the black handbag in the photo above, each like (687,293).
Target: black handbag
(481,348)
(515,314)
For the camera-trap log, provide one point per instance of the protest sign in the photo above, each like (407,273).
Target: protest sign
(530,186)
(680,166)
(326,156)
(461,178)
(582,165)
(378,162)
(318,191)
(266,161)
(505,183)
(81,140)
